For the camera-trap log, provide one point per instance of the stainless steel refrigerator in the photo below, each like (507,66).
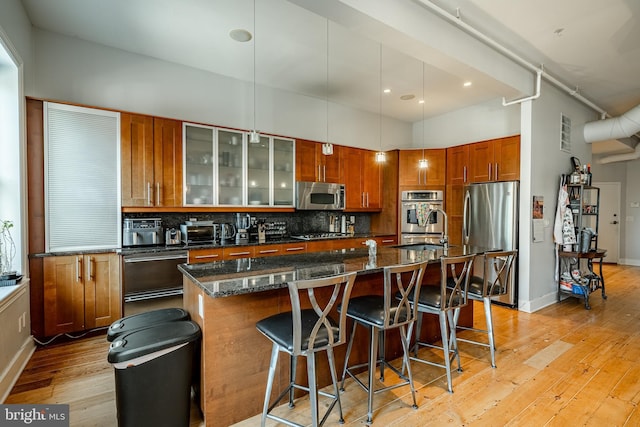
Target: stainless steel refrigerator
(491,220)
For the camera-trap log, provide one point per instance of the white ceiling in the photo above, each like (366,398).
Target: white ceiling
(590,45)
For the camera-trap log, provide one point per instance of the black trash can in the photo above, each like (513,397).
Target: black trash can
(144,320)
(153,374)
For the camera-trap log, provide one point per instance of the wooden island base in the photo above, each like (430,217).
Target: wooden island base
(235,356)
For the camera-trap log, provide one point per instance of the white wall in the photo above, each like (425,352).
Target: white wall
(476,123)
(81,72)
(627,174)
(547,163)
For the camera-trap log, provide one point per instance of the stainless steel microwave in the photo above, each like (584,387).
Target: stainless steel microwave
(321,196)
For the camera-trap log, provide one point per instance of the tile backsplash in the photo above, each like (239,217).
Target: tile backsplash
(297,222)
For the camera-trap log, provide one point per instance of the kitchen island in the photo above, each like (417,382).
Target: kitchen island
(227,299)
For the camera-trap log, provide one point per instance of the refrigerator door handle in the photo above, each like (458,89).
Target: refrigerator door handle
(466,209)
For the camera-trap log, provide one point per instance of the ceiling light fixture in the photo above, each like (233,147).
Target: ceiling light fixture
(466,84)
(240,35)
(254,136)
(423,163)
(407,97)
(387,91)
(381,155)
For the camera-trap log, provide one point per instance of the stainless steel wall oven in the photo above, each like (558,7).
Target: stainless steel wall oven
(415,203)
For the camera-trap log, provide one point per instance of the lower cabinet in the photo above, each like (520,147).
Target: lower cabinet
(81,292)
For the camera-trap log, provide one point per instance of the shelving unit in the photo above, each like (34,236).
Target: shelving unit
(584,202)
(576,277)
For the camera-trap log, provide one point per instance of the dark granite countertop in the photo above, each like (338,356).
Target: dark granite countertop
(184,247)
(249,275)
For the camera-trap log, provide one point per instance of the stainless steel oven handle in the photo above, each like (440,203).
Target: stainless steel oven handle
(155,258)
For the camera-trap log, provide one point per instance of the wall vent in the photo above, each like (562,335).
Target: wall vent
(565,133)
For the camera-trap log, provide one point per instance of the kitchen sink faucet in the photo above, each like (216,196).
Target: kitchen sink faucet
(445,231)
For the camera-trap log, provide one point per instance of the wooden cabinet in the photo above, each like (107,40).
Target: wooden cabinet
(410,172)
(361,177)
(458,165)
(312,165)
(205,255)
(81,292)
(495,160)
(151,161)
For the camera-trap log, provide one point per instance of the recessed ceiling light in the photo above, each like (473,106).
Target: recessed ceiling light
(240,35)
(387,91)
(407,97)
(421,101)
(467,84)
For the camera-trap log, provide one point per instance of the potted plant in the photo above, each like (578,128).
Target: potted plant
(7,250)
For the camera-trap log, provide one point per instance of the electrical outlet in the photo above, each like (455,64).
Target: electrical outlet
(634,205)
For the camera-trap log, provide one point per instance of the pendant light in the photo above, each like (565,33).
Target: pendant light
(380,155)
(327,147)
(423,163)
(254,136)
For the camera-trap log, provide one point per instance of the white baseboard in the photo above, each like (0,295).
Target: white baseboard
(628,261)
(539,303)
(15,368)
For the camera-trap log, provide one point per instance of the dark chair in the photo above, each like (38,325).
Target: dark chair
(493,282)
(380,313)
(442,300)
(305,332)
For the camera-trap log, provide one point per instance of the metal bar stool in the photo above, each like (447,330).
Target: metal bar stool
(382,313)
(305,332)
(442,301)
(493,282)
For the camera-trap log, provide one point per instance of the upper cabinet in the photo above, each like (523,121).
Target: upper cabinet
(315,166)
(410,172)
(223,168)
(458,165)
(495,160)
(362,179)
(151,161)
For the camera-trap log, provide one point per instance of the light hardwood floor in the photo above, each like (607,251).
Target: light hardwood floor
(560,366)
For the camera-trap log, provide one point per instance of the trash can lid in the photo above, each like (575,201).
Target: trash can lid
(155,338)
(144,320)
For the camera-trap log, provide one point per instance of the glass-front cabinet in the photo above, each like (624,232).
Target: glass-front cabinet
(230,167)
(198,165)
(283,171)
(245,174)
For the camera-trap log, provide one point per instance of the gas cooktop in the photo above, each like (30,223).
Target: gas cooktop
(313,236)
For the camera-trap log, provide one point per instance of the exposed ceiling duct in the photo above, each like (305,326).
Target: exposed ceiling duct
(620,128)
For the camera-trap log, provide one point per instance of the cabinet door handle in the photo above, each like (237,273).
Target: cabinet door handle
(239,253)
(319,172)
(464,174)
(324,173)
(388,241)
(268,251)
(496,172)
(90,268)
(148,194)
(367,199)
(362,200)
(206,256)
(297,248)
(489,171)
(79,269)
(158,194)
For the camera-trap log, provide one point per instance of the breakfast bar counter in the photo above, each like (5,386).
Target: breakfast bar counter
(227,298)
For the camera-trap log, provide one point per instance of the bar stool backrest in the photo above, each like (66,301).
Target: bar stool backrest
(402,282)
(499,264)
(336,334)
(454,284)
